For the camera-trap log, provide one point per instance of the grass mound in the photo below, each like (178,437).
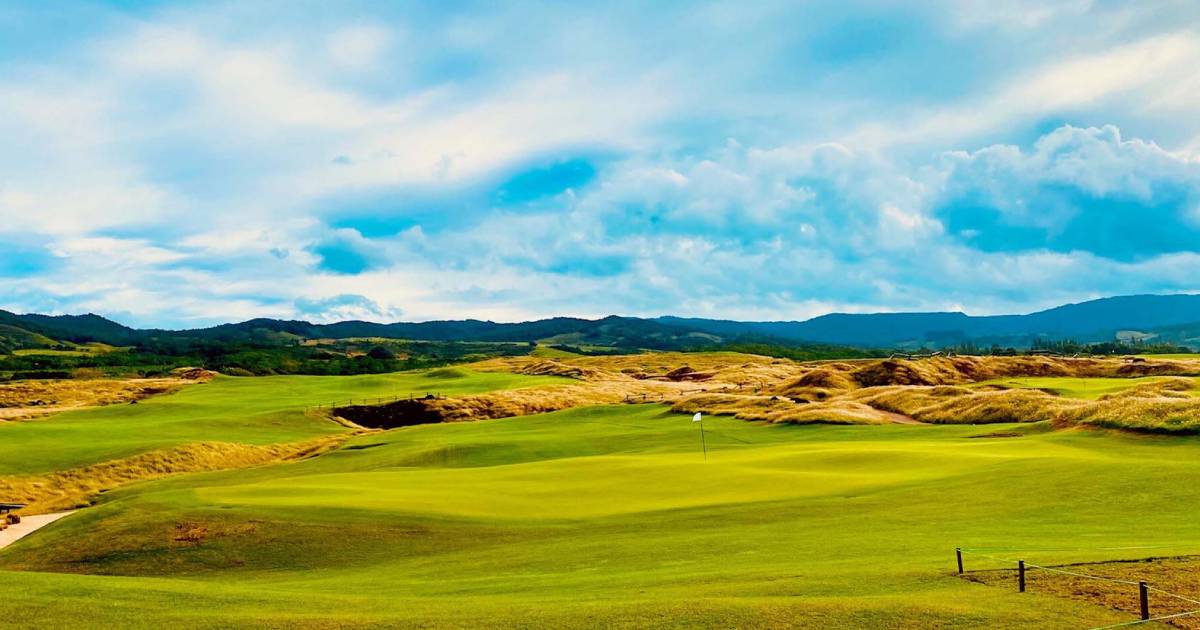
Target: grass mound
(447,373)
(819,378)
(971,390)
(779,409)
(28,399)
(961,405)
(1171,415)
(73,488)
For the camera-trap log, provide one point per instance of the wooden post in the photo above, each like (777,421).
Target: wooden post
(1144,596)
(1021,575)
(958,554)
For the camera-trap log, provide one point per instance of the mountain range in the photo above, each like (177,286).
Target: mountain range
(1166,318)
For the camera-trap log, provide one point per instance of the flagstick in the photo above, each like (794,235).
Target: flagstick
(702,444)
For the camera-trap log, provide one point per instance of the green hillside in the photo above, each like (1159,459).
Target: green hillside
(15,338)
(261,410)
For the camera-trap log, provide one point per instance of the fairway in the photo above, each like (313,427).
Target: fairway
(611,516)
(1070,387)
(243,410)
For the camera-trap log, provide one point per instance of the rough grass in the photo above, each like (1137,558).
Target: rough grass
(1179,575)
(610,517)
(956,390)
(32,398)
(781,410)
(960,405)
(74,488)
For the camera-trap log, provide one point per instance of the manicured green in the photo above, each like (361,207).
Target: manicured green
(262,410)
(1072,387)
(610,516)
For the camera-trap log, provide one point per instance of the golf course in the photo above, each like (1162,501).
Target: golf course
(592,516)
(599,315)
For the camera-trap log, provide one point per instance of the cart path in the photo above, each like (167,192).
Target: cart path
(27,526)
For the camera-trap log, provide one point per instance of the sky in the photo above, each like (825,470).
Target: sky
(185,164)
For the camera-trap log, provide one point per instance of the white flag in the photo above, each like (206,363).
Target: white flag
(696,418)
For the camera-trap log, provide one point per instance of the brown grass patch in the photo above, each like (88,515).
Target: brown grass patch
(1165,414)
(526,401)
(961,405)
(21,400)
(824,378)
(865,392)
(773,408)
(1178,575)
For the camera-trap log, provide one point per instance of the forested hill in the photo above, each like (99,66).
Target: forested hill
(1168,318)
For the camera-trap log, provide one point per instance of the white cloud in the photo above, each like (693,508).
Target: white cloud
(1124,73)
(359,47)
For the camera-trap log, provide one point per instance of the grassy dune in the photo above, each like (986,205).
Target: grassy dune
(264,410)
(610,516)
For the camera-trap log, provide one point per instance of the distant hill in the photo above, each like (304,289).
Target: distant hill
(1096,320)
(74,328)
(13,338)
(1174,318)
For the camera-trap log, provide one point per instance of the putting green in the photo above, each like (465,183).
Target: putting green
(612,516)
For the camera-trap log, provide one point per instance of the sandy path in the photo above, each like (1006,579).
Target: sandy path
(27,526)
(900,418)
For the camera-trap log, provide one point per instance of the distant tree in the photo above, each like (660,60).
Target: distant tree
(380,353)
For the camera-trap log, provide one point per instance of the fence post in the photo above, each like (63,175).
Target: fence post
(958,554)
(1021,575)
(1144,596)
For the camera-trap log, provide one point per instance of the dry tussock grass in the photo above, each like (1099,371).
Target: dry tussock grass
(728,368)
(67,489)
(865,392)
(1177,387)
(821,378)
(780,409)
(970,369)
(521,402)
(26,399)
(1151,415)
(961,405)
(613,379)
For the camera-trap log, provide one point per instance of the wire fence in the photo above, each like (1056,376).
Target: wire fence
(1143,588)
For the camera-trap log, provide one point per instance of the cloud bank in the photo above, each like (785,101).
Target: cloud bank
(179,166)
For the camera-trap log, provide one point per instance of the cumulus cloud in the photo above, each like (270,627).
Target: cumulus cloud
(1074,190)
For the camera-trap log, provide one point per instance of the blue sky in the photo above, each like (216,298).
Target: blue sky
(181,164)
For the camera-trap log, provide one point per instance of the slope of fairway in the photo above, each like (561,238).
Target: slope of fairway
(612,516)
(1071,387)
(260,410)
